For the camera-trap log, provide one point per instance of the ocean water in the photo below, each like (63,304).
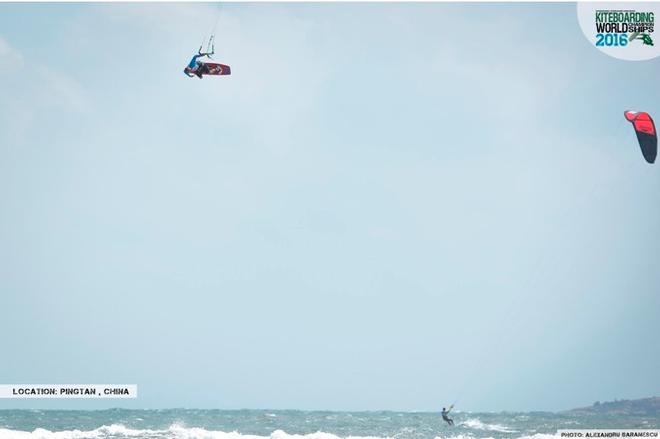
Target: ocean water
(292,424)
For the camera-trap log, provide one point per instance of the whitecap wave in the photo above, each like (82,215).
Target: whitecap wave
(540,436)
(477,424)
(175,431)
(178,431)
(106,431)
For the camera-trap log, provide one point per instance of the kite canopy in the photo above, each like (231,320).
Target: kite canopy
(646,133)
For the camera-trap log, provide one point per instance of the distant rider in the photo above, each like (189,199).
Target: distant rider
(445,415)
(196,67)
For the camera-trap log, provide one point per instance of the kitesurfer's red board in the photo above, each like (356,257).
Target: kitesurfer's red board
(216,69)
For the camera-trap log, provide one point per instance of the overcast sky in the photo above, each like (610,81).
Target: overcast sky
(385,206)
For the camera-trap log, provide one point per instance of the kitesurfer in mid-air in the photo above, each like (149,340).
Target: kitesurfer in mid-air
(445,415)
(196,67)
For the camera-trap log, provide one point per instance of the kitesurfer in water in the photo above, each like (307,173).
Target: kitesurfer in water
(196,67)
(445,415)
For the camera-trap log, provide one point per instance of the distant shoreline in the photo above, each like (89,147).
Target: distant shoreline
(623,407)
(626,407)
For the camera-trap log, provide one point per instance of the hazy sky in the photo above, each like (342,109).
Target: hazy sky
(386,206)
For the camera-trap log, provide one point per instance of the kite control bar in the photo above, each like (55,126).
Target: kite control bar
(210,45)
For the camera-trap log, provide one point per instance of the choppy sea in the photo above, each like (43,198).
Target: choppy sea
(292,424)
